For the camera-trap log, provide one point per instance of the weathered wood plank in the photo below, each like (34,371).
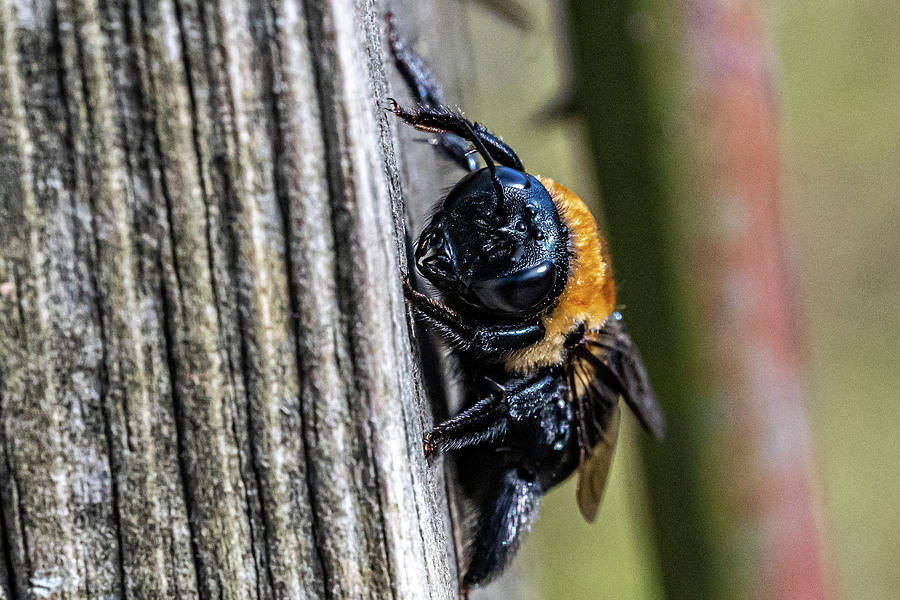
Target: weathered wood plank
(65,511)
(206,378)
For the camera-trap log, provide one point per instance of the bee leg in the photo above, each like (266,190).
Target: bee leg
(497,339)
(476,339)
(414,70)
(458,149)
(505,516)
(487,421)
(442,120)
(425,87)
(436,312)
(482,423)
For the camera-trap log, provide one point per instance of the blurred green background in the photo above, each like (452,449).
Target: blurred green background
(837,88)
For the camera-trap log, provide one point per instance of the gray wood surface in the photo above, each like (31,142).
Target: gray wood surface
(207,388)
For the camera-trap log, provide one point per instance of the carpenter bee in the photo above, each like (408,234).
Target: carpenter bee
(527,302)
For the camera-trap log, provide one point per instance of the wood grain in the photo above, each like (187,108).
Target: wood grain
(207,383)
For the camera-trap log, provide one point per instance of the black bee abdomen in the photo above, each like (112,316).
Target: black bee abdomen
(539,450)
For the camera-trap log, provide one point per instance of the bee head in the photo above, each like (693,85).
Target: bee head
(497,244)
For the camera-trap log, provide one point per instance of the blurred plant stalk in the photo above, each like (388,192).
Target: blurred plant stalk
(679,105)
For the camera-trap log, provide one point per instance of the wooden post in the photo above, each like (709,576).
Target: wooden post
(207,387)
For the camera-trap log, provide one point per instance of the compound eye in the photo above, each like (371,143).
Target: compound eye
(518,292)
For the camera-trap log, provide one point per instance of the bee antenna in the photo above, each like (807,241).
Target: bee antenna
(479,145)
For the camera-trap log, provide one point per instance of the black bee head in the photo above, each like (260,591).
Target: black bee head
(503,254)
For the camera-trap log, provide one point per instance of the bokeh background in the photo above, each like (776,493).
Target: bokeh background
(834,73)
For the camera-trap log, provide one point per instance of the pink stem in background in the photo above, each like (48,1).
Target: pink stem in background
(753,322)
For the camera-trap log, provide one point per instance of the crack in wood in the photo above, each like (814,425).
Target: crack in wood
(211,248)
(16,555)
(272,64)
(8,582)
(340,180)
(93,261)
(169,329)
(178,409)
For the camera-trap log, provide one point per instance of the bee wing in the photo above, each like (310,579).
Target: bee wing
(606,367)
(618,363)
(593,470)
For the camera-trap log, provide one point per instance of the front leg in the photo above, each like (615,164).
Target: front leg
(482,423)
(487,421)
(422,83)
(476,340)
(453,132)
(441,120)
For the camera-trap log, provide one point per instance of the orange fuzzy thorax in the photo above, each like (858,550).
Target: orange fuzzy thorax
(589,295)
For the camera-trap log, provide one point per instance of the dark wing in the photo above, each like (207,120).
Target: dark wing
(596,408)
(593,469)
(606,367)
(618,364)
